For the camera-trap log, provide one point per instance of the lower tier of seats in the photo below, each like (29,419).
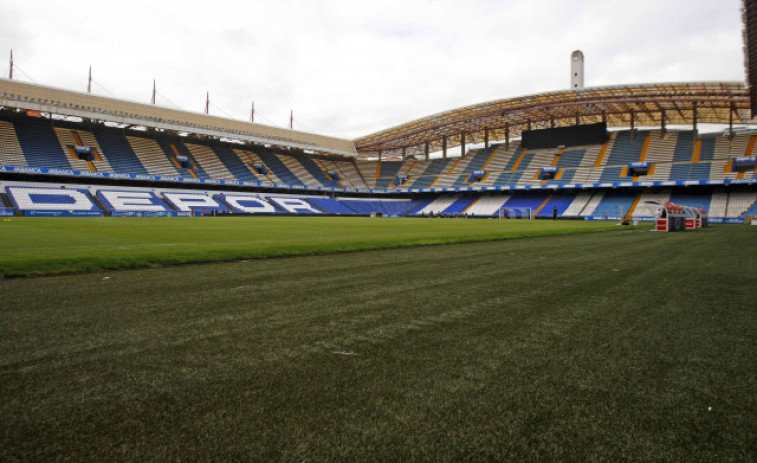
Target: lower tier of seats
(36,198)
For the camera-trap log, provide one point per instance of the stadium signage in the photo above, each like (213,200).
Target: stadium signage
(295,205)
(79,149)
(249,204)
(479,173)
(639,165)
(150,214)
(549,170)
(725,220)
(745,160)
(50,199)
(34,213)
(132,201)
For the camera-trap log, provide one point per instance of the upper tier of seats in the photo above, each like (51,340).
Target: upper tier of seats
(676,155)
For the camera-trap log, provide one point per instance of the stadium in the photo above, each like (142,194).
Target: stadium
(184,286)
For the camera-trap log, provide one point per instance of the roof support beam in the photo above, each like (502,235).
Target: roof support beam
(507,135)
(462,144)
(486,138)
(426,151)
(694,119)
(444,147)
(633,123)
(662,123)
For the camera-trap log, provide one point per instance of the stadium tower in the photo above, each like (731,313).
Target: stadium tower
(577,69)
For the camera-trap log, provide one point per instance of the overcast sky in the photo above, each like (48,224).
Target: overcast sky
(351,68)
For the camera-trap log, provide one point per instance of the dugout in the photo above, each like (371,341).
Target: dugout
(702,218)
(693,218)
(669,217)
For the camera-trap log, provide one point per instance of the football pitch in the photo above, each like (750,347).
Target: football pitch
(609,346)
(30,246)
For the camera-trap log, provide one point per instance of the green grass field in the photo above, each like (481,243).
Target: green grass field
(38,246)
(618,346)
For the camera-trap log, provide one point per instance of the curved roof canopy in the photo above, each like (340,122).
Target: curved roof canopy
(643,105)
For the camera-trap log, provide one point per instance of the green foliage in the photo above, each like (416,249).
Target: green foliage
(39,246)
(628,346)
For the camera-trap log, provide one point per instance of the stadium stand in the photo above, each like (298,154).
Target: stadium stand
(234,164)
(176,153)
(487,205)
(42,199)
(10,150)
(561,201)
(613,205)
(677,160)
(461,204)
(578,204)
(210,162)
(386,173)
(40,144)
(276,168)
(332,206)
(118,152)
(152,157)
(739,202)
(438,205)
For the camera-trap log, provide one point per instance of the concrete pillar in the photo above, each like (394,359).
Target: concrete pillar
(486,138)
(694,122)
(444,147)
(507,136)
(462,144)
(577,70)
(662,123)
(427,151)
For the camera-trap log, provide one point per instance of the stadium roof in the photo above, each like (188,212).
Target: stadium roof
(620,106)
(14,94)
